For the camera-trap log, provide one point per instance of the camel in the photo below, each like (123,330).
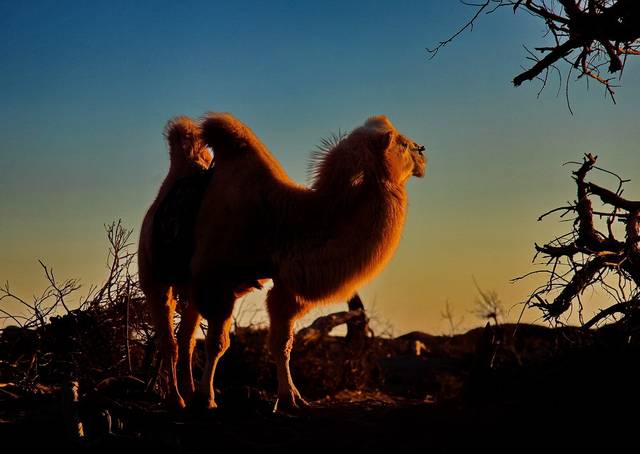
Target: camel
(317,244)
(188,156)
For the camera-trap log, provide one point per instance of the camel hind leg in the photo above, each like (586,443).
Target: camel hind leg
(284,309)
(186,343)
(162,305)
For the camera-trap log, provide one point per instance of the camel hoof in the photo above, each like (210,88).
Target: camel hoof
(175,403)
(290,404)
(202,403)
(299,400)
(188,394)
(302,403)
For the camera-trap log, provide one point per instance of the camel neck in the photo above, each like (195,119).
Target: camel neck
(344,238)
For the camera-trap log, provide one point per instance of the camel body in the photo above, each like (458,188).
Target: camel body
(320,246)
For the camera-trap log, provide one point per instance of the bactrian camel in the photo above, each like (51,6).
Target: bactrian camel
(317,244)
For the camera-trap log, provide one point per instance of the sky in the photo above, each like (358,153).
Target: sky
(87,87)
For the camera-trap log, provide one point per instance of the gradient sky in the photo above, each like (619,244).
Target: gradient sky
(86,88)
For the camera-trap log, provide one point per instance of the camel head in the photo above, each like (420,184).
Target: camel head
(400,157)
(375,151)
(186,149)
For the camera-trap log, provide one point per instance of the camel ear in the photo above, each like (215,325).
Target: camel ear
(383,141)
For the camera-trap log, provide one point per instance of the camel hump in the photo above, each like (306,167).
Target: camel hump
(224,133)
(185,145)
(379,123)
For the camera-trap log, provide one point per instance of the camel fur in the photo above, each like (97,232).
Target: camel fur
(317,244)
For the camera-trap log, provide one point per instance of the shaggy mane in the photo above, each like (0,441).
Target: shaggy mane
(320,152)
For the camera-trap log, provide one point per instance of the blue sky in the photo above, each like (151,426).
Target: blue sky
(87,87)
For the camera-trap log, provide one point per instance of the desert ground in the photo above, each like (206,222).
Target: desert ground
(506,387)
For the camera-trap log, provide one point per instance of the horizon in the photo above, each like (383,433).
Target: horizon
(89,90)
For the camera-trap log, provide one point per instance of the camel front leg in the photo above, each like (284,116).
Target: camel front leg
(217,308)
(217,342)
(284,309)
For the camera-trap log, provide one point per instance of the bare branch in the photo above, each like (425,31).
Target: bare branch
(599,31)
(469,24)
(590,256)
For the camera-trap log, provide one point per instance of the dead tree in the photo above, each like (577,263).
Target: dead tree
(488,306)
(355,319)
(586,256)
(357,326)
(82,338)
(594,37)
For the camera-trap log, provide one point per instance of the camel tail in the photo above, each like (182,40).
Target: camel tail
(186,148)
